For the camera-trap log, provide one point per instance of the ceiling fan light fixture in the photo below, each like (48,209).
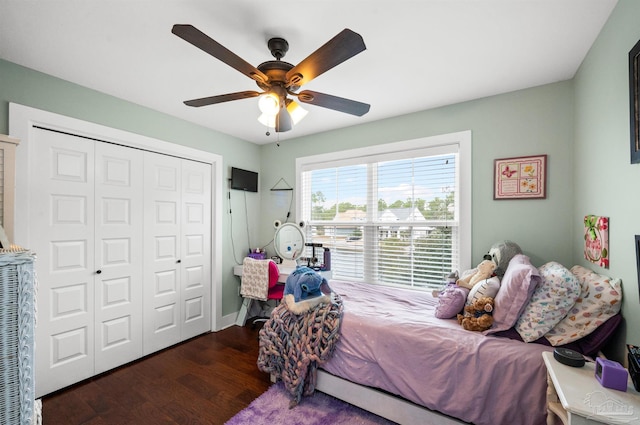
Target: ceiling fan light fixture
(296,111)
(269,104)
(283,121)
(267,120)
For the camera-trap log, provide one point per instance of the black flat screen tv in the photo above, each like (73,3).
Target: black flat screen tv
(244,180)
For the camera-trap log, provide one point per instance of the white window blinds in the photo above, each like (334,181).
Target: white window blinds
(389,218)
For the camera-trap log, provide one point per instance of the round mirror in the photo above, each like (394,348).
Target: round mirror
(289,242)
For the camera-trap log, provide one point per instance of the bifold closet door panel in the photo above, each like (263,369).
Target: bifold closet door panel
(196,248)
(123,242)
(119,260)
(61,225)
(162,261)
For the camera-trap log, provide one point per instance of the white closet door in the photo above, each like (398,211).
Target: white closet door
(118,247)
(162,262)
(196,249)
(61,218)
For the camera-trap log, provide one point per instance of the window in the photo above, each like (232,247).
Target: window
(394,214)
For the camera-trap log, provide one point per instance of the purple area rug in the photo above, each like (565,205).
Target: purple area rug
(272,408)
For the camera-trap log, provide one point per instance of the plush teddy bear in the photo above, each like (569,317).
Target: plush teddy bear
(501,253)
(484,271)
(304,289)
(477,316)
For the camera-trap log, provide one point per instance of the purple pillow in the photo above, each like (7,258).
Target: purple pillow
(588,345)
(516,287)
(451,301)
(596,340)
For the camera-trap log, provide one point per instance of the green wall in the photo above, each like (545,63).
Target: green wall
(527,122)
(27,87)
(604,178)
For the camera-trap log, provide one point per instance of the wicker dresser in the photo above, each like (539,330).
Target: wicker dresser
(17,321)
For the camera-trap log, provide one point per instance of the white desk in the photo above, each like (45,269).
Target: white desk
(575,397)
(284,274)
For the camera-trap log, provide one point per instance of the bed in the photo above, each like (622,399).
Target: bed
(396,359)
(433,362)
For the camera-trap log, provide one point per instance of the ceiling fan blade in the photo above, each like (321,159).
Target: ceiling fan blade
(337,50)
(212,100)
(283,121)
(207,44)
(334,102)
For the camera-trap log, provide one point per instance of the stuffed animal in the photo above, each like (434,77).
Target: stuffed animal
(303,283)
(452,277)
(501,253)
(477,316)
(304,289)
(450,280)
(451,301)
(484,271)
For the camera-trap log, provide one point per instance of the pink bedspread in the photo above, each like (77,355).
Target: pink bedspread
(390,339)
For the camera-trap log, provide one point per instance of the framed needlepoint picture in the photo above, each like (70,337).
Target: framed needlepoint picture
(522,177)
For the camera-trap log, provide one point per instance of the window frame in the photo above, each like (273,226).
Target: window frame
(464,190)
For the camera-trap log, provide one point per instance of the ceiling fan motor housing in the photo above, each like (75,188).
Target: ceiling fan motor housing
(277,73)
(278,47)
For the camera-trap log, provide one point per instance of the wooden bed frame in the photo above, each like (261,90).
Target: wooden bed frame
(381,403)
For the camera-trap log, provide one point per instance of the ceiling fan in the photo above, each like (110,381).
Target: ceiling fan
(279,79)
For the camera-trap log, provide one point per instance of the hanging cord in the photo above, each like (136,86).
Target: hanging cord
(446,190)
(233,245)
(246,214)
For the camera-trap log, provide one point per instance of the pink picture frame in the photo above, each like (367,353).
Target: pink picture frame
(523,177)
(596,240)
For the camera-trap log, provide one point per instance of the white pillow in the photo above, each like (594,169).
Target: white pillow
(486,288)
(550,302)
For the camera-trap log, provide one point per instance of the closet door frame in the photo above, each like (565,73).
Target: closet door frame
(22,120)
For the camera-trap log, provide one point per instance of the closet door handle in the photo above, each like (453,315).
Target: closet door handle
(179,261)
(98,271)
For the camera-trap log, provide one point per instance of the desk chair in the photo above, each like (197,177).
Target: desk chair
(276,291)
(259,281)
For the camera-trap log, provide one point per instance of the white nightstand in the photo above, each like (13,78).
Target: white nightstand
(574,396)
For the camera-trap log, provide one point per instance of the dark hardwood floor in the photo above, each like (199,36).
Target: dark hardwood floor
(205,380)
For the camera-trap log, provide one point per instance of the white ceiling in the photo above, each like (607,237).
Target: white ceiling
(420,54)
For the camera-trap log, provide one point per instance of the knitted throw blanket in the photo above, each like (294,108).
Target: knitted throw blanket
(292,346)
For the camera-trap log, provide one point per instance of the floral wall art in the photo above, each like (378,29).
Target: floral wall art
(596,240)
(520,178)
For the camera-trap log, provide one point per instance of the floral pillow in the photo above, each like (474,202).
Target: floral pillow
(599,300)
(550,302)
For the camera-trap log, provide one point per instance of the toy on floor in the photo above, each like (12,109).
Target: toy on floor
(477,316)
